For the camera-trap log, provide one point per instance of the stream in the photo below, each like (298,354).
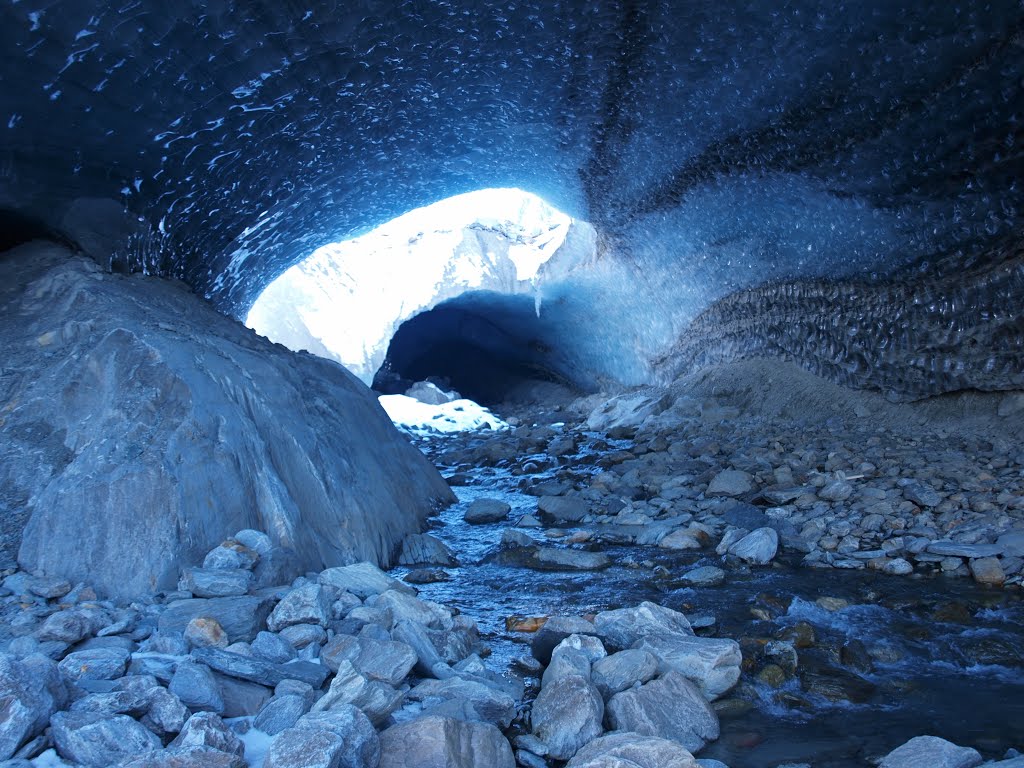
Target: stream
(891,658)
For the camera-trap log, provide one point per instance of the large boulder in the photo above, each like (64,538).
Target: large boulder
(94,739)
(931,752)
(632,749)
(712,663)
(25,705)
(443,742)
(567,714)
(670,707)
(145,427)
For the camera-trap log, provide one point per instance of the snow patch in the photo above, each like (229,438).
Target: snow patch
(414,417)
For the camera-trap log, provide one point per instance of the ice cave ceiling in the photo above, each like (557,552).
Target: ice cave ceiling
(716,146)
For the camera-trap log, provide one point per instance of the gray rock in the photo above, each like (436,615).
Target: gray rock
(931,752)
(428,659)
(622,627)
(338,649)
(202,632)
(206,729)
(704,576)
(307,604)
(95,664)
(241,617)
(48,586)
(482,511)
(632,750)
(566,715)
(197,688)
(442,742)
(281,712)
(100,740)
(623,670)
(710,662)
(554,631)
(343,738)
(1012,544)
(566,662)
(188,757)
(206,435)
(215,582)
(956,549)
(670,707)
(551,558)
(424,549)
(389,661)
(241,698)
(730,482)
(465,700)
(25,705)
(303,635)
(257,541)
(229,555)
(166,713)
(272,648)
(362,580)
(921,494)
(404,607)
(758,547)
(562,509)
(836,490)
(257,670)
(68,626)
(376,699)
(431,394)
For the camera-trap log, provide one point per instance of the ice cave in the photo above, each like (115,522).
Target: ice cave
(566,384)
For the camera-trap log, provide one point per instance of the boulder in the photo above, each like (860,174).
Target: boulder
(206,729)
(307,604)
(632,750)
(280,712)
(465,700)
(25,705)
(562,509)
(566,715)
(554,631)
(342,738)
(424,549)
(931,752)
(482,511)
(704,576)
(196,687)
(188,757)
(670,707)
(215,582)
(362,579)
(100,740)
(730,482)
(623,670)
(241,617)
(348,688)
(222,430)
(757,547)
(95,664)
(710,662)
(557,559)
(622,627)
(258,670)
(444,742)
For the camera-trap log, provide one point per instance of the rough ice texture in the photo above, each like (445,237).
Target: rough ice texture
(141,428)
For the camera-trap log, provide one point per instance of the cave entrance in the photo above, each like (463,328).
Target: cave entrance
(488,347)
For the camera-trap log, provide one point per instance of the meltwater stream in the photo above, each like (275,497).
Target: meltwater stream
(891,658)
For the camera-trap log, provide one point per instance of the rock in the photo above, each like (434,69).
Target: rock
(623,670)
(241,697)
(25,705)
(189,757)
(920,494)
(342,738)
(376,699)
(987,570)
(1012,543)
(213,442)
(241,617)
(551,558)
(431,394)
(836,490)
(897,566)
(465,700)
(166,714)
(758,547)
(710,662)
(443,742)
(424,549)
(404,607)
(730,482)
(362,580)
(95,664)
(389,661)
(482,511)
(215,582)
(621,628)
(202,632)
(627,410)
(206,729)
(427,576)
(566,662)
(257,670)
(68,627)
(230,555)
(632,750)
(273,648)
(931,752)
(670,707)
(705,576)
(100,740)
(48,587)
(303,635)
(307,604)
(280,712)
(554,631)
(196,687)
(680,540)
(566,715)
(956,549)
(562,509)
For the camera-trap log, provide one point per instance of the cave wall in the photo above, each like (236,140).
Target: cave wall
(716,147)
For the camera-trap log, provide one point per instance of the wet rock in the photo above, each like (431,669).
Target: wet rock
(362,580)
(206,729)
(342,738)
(562,509)
(482,511)
(931,752)
(622,627)
(427,576)
(100,740)
(424,549)
(441,742)
(712,663)
(307,604)
(25,705)
(680,540)
(836,684)
(241,617)
(730,482)
(566,715)
(705,576)
(757,547)
(95,664)
(632,750)
(551,558)
(987,570)
(623,670)
(215,582)
(897,566)
(670,707)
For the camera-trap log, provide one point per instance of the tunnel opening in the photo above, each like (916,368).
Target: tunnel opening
(488,347)
(17,228)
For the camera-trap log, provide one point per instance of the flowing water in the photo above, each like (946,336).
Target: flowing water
(944,656)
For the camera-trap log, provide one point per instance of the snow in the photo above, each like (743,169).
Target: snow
(257,744)
(414,417)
